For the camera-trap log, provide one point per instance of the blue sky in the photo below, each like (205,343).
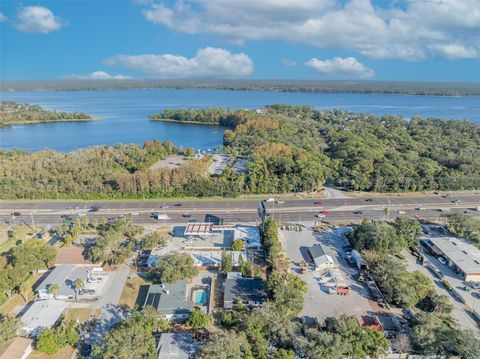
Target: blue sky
(434,40)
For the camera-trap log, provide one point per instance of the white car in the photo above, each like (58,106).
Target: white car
(320,215)
(94,279)
(442,260)
(280,202)
(270,200)
(401,212)
(420,209)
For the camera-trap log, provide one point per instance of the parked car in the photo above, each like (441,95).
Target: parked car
(442,260)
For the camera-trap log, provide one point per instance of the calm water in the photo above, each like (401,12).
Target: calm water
(125,114)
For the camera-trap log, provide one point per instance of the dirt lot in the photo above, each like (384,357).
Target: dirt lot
(318,303)
(170,162)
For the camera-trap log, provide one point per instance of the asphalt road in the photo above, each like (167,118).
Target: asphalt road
(232,211)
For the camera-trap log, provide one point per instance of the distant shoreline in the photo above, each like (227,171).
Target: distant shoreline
(6,125)
(301,86)
(186,122)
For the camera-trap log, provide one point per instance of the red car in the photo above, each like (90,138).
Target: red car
(324,212)
(318,203)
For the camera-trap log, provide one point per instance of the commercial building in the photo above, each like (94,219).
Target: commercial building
(64,276)
(320,259)
(177,345)
(171,300)
(249,291)
(42,314)
(461,256)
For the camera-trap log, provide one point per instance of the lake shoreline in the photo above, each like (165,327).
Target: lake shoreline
(21,123)
(186,122)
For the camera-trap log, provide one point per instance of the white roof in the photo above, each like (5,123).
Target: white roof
(463,254)
(42,314)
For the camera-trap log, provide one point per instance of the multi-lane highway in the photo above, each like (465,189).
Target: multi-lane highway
(231,211)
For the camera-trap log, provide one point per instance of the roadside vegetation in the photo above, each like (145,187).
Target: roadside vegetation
(432,329)
(12,113)
(291,149)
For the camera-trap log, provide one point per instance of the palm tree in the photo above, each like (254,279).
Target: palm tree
(78,284)
(53,289)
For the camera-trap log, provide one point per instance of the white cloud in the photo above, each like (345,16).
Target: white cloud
(408,29)
(208,62)
(347,67)
(288,62)
(2,17)
(97,75)
(38,19)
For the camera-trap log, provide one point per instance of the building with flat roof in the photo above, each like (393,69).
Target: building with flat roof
(177,345)
(249,291)
(462,256)
(64,275)
(320,258)
(16,348)
(42,314)
(171,300)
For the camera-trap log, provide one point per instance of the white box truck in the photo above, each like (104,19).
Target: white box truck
(160,216)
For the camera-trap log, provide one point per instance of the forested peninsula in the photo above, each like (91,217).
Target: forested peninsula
(290,149)
(12,113)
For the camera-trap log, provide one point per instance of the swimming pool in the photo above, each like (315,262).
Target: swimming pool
(200,297)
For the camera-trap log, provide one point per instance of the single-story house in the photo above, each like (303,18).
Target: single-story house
(64,276)
(178,345)
(16,348)
(42,314)
(320,259)
(249,291)
(171,300)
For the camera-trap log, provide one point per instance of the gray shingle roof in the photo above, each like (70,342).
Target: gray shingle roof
(169,298)
(245,289)
(64,275)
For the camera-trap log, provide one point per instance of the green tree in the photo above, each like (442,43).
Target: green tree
(160,324)
(284,354)
(152,240)
(238,245)
(8,328)
(70,333)
(190,152)
(227,262)
(131,339)
(53,289)
(174,267)
(78,284)
(227,345)
(198,319)
(47,342)
(408,231)
(287,291)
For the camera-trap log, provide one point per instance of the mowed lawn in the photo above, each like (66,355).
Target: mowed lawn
(131,291)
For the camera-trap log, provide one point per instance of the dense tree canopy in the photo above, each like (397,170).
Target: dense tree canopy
(175,266)
(291,148)
(18,113)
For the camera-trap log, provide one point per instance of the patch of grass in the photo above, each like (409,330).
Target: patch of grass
(80,314)
(131,290)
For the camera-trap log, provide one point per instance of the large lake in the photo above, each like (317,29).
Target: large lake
(125,114)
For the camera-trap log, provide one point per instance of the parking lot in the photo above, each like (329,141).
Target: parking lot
(318,303)
(463,320)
